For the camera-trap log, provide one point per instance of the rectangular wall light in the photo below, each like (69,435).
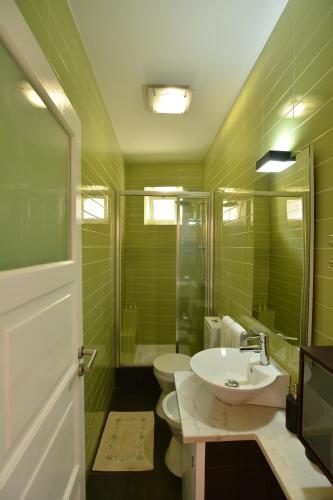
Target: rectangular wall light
(169,99)
(275,161)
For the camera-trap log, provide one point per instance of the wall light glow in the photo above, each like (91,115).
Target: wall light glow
(283,142)
(296,111)
(32,96)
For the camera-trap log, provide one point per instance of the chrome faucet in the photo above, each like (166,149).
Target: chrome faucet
(262,347)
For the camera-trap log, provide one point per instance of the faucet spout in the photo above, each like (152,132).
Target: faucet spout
(262,347)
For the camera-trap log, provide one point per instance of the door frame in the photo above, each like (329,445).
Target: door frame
(17,36)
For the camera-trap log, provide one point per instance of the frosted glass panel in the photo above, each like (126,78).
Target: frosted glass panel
(34,174)
(192,274)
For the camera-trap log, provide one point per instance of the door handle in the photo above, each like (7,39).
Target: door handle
(84,351)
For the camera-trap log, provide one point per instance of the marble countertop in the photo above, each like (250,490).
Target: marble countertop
(205,418)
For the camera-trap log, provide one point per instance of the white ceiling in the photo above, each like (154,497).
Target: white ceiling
(210,45)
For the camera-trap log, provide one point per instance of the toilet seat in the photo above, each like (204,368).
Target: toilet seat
(167,364)
(162,376)
(174,453)
(165,367)
(171,409)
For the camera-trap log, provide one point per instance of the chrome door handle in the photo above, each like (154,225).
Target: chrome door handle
(83,351)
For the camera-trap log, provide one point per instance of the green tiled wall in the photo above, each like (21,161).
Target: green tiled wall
(261,251)
(286,269)
(286,102)
(287,249)
(165,174)
(102,165)
(233,257)
(149,253)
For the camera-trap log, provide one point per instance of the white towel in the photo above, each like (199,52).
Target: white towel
(236,331)
(225,336)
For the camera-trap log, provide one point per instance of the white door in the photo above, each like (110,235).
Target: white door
(41,394)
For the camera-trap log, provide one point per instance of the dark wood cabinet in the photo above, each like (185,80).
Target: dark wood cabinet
(235,470)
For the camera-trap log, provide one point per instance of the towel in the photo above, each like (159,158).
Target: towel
(236,331)
(225,336)
(231,332)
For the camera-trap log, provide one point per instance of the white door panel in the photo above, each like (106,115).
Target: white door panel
(36,282)
(57,464)
(27,461)
(37,334)
(41,394)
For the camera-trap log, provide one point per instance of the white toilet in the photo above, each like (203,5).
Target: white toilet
(174,453)
(164,368)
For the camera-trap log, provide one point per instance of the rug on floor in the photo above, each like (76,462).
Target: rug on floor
(127,442)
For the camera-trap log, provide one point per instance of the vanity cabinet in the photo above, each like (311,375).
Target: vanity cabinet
(228,470)
(229,447)
(193,482)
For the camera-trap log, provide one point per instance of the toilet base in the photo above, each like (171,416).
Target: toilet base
(174,457)
(159,409)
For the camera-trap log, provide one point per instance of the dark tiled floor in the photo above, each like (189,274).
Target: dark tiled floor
(158,484)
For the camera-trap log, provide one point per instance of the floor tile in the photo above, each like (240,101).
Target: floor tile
(158,484)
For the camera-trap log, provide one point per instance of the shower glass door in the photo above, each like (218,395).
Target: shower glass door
(148,231)
(192,273)
(162,274)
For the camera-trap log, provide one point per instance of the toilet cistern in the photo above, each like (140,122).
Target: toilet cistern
(262,347)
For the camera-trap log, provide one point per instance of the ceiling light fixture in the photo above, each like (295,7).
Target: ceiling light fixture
(169,99)
(275,161)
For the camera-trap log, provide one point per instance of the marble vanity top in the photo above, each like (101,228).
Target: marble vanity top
(205,418)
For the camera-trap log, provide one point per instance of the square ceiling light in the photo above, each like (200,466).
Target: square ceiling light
(169,99)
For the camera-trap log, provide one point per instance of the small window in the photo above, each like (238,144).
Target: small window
(295,209)
(94,209)
(158,210)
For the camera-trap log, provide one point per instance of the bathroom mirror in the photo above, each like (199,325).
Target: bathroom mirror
(266,242)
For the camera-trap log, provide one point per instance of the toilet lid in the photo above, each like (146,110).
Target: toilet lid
(170,363)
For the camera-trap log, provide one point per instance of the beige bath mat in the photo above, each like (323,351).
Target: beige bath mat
(127,443)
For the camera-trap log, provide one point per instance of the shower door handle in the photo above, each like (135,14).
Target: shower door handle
(285,337)
(83,351)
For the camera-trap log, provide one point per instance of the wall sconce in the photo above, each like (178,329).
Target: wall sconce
(275,161)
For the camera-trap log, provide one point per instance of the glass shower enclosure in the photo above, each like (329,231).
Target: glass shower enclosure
(163,262)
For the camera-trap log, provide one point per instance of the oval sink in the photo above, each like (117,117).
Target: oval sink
(234,377)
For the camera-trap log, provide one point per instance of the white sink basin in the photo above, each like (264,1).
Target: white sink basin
(237,377)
